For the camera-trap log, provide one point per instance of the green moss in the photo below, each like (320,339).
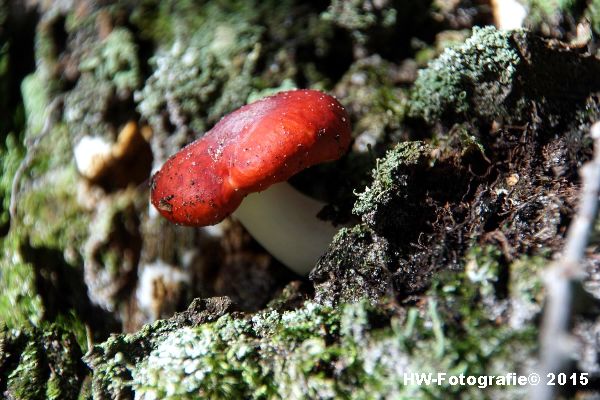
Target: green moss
(354,350)
(200,77)
(115,60)
(41,363)
(53,198)
(27,380)
(11,155)
(473,79)
(113,360)
(110,72)
(388,176)
(35,100)
(20,305)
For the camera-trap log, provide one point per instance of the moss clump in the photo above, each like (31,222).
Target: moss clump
(361,261)
(407,223)
(389,177)
(11,154)
(102,97)
(473,79)
(355,350)
(115,60)
(198,78)
(51,197)
(20,305)
(40,363)
(113,360)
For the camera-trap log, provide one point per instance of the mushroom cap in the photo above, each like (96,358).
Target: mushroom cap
(248,150)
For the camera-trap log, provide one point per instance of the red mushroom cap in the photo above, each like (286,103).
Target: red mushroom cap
(248,150)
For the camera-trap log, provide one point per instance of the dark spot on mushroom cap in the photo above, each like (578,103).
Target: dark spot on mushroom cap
(164,205)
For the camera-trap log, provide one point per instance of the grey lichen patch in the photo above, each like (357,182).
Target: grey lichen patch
(475,78)
(114,360)
(115,59)
(109,73)
(271,355)
(196,79)
(188,361)
(355,349)
(503,76)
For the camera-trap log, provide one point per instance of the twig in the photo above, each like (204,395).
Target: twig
(564,275)
(52,116)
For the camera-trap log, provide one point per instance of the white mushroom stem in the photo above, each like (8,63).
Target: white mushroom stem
(284,221)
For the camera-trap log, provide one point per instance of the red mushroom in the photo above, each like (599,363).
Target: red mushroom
(249,150)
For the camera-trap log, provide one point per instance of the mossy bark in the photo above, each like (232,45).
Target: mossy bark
(458,190)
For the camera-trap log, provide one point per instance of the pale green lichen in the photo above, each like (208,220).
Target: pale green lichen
(469,80)
(11,154)
(548,11)
(387,176)
(200,77)
(35,100)
(110,72)
(20,305)
(52,198)
(355,350)
(115,60)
